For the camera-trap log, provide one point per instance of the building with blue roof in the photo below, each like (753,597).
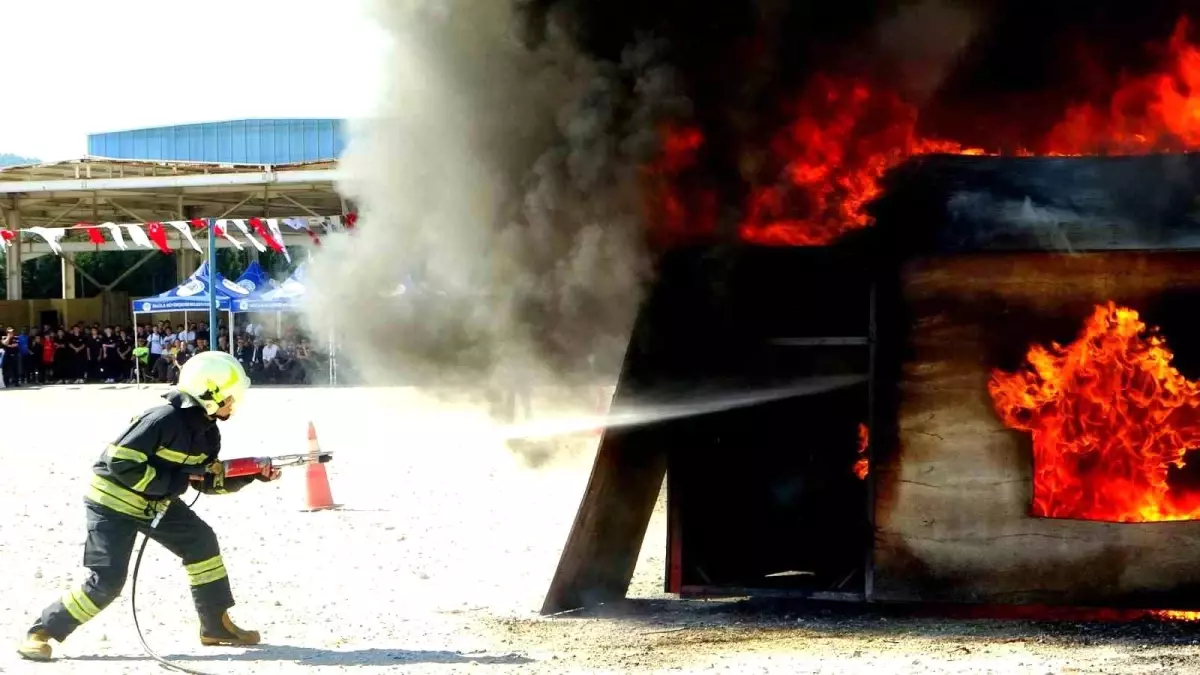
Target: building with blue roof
(250,141)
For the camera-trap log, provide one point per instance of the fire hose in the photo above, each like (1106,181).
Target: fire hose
(233,468)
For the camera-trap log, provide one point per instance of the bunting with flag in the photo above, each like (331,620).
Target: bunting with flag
(260,233)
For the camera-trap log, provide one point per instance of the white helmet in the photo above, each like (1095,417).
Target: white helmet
(212,377)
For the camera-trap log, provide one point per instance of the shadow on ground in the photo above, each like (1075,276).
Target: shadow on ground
(1077,627)
(329,657)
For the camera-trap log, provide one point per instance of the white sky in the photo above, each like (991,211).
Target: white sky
(73,67)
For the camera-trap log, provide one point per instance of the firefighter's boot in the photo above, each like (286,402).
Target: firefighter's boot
(36,647)
(221,631)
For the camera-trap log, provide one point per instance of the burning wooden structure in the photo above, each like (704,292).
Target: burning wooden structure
(999,472)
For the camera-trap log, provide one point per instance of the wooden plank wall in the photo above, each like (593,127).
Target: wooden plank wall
(953,485)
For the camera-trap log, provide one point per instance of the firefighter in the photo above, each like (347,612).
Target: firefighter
(135,487)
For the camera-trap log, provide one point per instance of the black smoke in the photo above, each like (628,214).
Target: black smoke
(507,168)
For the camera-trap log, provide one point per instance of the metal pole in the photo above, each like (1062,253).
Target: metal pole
(872,437)
(212,284)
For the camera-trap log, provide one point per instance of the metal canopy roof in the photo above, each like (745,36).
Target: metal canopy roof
(97,190)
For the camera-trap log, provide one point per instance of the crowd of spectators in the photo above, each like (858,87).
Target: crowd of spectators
(150,352)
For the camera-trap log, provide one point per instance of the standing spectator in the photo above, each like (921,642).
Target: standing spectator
(62,357)
(49,350)
(8,368)
(155,342)
(170,339)
(109,359)
(79,355)
(22,355)
(92,342)
(124,364)
(139,358)
(31,357)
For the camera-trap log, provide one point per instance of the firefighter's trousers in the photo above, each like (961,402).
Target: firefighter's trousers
(106,554)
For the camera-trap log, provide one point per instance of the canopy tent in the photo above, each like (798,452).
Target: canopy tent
(192,295)
(285,298)
(253,292)
(255,280)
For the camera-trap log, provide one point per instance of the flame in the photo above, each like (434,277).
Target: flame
(1055,613)
(1176,615)
(670,205)
(1109,417)
(846,133)
(861,466)
(1159,112)
(844,138)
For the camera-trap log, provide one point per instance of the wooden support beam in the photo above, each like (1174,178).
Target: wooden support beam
(598,561)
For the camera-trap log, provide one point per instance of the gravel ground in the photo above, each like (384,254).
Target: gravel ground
(438,560)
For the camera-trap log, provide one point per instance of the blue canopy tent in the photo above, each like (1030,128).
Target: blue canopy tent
(255,280)
(285,298)
(193,295)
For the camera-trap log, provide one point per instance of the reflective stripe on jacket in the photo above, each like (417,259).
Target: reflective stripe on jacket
(155,457)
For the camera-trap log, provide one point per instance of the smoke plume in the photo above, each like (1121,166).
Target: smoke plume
(499,199)
(526,151)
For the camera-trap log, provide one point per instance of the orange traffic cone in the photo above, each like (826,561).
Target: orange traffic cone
(318,496)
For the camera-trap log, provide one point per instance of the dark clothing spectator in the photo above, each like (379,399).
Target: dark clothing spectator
(91,353)
(164,370)
(77,356)
(8,367)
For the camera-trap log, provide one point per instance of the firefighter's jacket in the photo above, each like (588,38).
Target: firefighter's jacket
(153,460)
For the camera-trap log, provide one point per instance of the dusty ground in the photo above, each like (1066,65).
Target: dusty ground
(438,561)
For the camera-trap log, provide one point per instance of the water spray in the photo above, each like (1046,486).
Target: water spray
(638,414)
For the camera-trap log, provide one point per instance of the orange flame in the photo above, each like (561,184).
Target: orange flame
(861,466)
(675,216)
(843,141)
(1109,417)
(846,134)
(1155,113)
(1176,615)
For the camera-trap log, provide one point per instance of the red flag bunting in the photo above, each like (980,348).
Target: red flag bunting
(158,236)
(197,223)
(94,234)
(261,230)
(315,239)
(7,235)
(351,220)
